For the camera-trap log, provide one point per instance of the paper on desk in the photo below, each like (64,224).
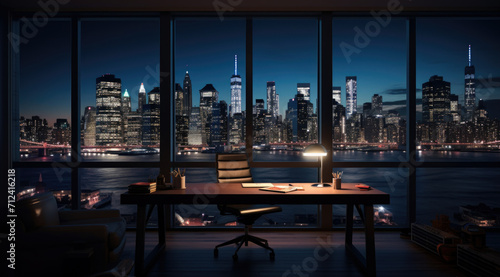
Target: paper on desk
(256,185)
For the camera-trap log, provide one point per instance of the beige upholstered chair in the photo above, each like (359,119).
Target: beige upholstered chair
(66,243)
(234,168)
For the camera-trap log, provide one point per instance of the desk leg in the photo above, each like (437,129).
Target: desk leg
(349,224)
(161,224)
(370,240)
(140,239)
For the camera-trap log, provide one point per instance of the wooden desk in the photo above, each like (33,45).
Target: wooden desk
(231,193)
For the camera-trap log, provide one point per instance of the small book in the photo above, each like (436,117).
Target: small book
(142,187)
(256,185)
(280,188)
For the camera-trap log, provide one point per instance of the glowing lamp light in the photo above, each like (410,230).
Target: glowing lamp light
(316,150)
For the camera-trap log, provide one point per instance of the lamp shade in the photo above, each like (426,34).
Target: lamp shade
(315,150)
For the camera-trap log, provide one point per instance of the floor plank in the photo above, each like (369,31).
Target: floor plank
(304,254)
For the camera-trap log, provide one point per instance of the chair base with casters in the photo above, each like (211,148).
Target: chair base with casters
(248,216)
(234,168)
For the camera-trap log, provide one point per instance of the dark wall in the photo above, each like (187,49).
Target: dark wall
(3,116)
(4,160)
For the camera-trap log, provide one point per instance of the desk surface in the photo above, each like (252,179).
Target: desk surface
(220,193)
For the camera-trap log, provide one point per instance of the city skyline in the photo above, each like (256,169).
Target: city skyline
(133,68)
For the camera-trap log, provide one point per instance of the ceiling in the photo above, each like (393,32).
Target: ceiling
(255,5)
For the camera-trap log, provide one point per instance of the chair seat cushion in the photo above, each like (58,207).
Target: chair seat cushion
(116,227)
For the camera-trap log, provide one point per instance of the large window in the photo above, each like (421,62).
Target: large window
(119,88)
(42,80)
(105,72)
(458,91)
(285,87)
(209,87)
(369,90)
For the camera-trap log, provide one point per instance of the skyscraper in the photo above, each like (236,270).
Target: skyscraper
(336,95)
(304,89)
(235,89)
(151,119)
(179,100)
(126,103)
(302,116)
(125,110)
(142,99)
(208,96)
(377,105)
(195,128)
(272,100)
(470,89)
(108,110)
(351,94)
(188,95)
(89,126)
(436,100)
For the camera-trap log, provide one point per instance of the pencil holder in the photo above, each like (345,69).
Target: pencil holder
(179,182)
(337,183)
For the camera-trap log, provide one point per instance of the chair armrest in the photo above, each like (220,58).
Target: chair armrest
(57,235)
(65,216)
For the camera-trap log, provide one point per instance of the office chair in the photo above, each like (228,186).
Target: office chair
(234,168)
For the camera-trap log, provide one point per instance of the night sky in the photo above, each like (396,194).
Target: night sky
(285,51)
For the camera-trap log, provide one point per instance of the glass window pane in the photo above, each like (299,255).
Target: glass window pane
(457,89)
(465,195)
(285,80)
(44,93)
(209,90)
(101,189)
(369,89)
(390,180)
(30,181)
(119,86)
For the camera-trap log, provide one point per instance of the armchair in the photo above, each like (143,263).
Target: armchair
(59,243)
(234,168)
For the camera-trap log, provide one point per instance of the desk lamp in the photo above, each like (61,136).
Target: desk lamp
(317,150)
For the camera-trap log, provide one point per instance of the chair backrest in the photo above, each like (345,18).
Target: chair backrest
(37,211)
(233,168)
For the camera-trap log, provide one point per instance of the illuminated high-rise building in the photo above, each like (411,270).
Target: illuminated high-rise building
(188,95)
(436,100)
(377,105)
(470,89)
(235,89)
(336,95)
(142,99)
(89,126)
(208,96)
(304,89)
(272,100)
(351,94)
(125,110)
(108,110)
(151,119)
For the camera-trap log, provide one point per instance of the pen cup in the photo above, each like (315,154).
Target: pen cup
(179,182)
(337,183)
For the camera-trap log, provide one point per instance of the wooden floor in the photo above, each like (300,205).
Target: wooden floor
(303,254)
